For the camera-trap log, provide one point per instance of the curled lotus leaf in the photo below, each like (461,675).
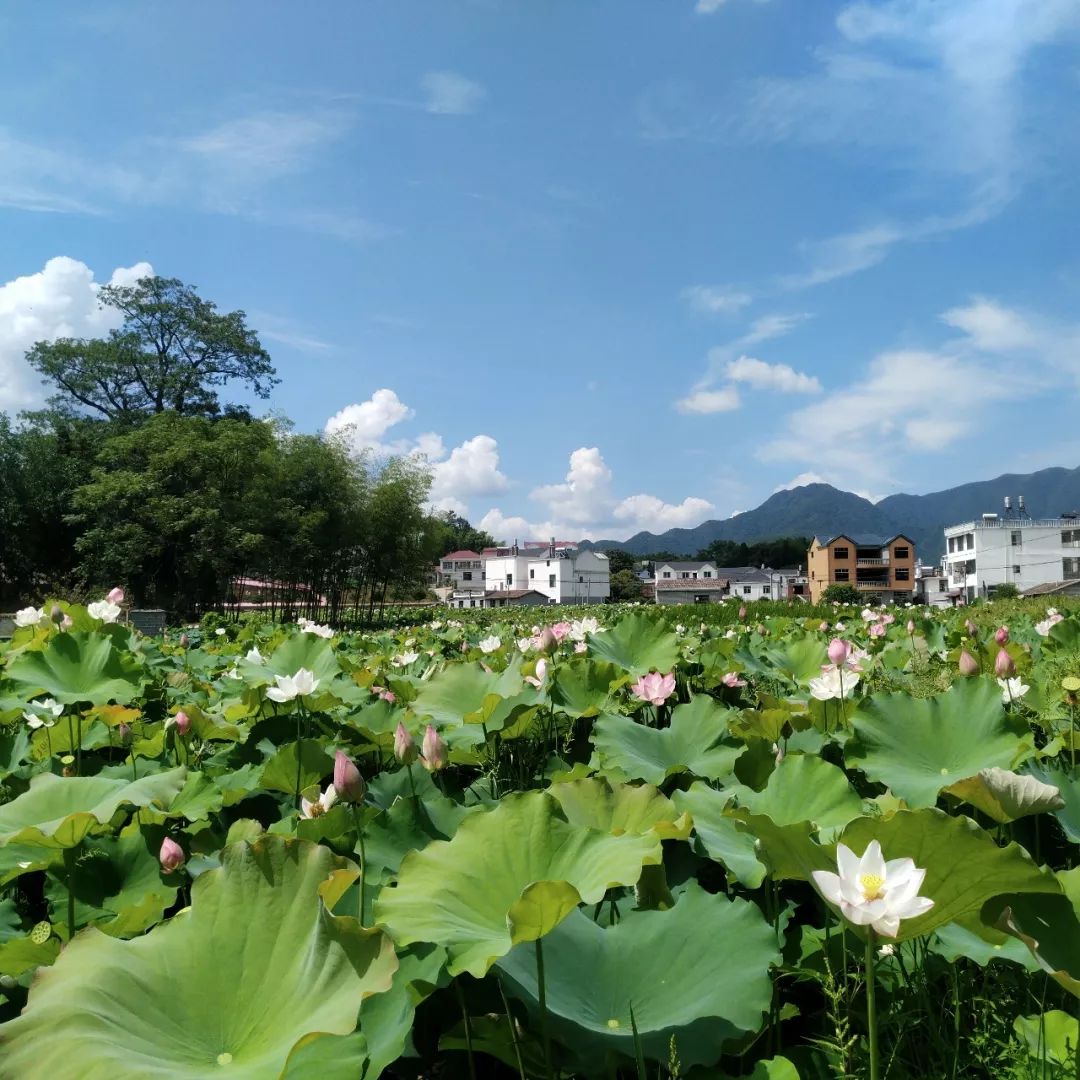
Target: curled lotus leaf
(1006,796)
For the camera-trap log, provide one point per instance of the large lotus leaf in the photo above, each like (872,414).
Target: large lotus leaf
(227,988)
(1068,788)
(799,658)
(638,643)
(725,839)
(1006,796)
(1050,1037)
(507,876)
(975,941)
(698,972)
(584,687)
(964,866)
(58,812)
(804,788)
(692,744)
(594,804)
(304,651)
(466,692)
(920,745)
(78,667)
(314,761)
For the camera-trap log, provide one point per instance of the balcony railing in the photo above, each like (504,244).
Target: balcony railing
(873,585)
(871,562)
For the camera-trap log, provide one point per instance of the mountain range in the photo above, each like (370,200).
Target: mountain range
(823,510)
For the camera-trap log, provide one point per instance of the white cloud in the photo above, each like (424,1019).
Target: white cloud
(992,326)
(472,469)
(61,300)
(717,299)
(705,402)
(801,480)
(649,512)
(710,7)
(846,254)
(364,424)
(451,94)
(763,376)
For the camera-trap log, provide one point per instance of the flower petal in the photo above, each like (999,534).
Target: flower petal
(829,885)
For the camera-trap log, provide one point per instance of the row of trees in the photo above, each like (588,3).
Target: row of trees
(138,474)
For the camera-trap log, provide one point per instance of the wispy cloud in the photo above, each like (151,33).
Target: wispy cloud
(779,377)
(717,299)
(450,94)
(706,402)
(711,7)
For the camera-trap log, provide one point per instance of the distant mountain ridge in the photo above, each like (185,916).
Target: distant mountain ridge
(823,510)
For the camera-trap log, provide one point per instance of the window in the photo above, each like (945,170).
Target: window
(1070,569)
(472,603)
(466,575)
(581,579)
(706,573)
(840,553)
(1017,538)
(1070,537)
(667,573)
(766,590)
(970,541)
(551,581)
(901,553)
(447,564)
(746,590)
(1016,570)
(694,575)
(532,573)
(903,573)
(941,585)
(509,579)
(685,574)
(952,544)
(843,574)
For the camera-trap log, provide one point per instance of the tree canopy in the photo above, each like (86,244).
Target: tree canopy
(173,352)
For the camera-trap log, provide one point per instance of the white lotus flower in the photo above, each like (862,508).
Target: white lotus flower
(29,616)
(405,659)
(524,644)
(579,628)
(292,686)
(872,892)
(1011,689)
(103,610)
(254,656)
(220,631)
(321,805)
(317,630)
(1053,617)
(43,713)
(490,644)
(833,684)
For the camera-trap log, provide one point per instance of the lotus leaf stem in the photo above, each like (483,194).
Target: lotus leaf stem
(871,1002)
(542,995)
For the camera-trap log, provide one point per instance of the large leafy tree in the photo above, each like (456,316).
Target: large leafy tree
(173,352)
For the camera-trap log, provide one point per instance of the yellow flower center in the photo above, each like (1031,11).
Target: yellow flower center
(871,886)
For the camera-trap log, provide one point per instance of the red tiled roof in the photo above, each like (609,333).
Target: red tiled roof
(693,584)
(460,556)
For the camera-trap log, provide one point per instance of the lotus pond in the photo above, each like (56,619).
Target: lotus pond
(766,845)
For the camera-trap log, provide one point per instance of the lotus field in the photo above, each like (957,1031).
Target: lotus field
(784,842)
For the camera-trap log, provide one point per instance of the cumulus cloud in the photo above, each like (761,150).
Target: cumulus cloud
(60,300)
(763,376)
(705,402)
(364,424)
(472,469)
(992,326)
(451,94)
(801,480)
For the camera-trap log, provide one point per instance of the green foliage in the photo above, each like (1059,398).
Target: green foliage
(841,594)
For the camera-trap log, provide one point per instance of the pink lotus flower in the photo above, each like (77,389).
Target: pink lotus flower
(654,687)
(171,856)
(878,629)
(541,671)
(116,596)
(546,641)
(839,651)
(434,753)
(742,612)
(404,747)
(560,630)
(581,647)
(182,722)
(348,783)
(732,679)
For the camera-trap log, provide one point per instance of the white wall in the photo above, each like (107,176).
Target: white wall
(583,579)
(496,570)
(1036,559)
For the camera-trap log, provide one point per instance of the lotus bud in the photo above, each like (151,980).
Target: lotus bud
(404,747)
(911,627)
(742,612)
(185,641)
(66,623)
(839,651)
(1004,667)
(183,723)
(968,665)
(348,783)
(547,641)
(56,613)
(171,856)
(116,596)
(1001,635)
(971,628)
(126,734)
(823,627)
(434,750)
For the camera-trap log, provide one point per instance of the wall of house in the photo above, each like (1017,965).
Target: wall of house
(1010,553)
(497,569)
(583,579)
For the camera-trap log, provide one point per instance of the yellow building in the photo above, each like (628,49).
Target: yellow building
(882,568)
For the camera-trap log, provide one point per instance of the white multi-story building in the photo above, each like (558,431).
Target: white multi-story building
(698,581)
(1011,549)
(558,571)
(460,571)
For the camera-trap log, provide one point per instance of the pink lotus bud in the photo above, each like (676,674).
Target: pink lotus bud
(185,641)
(971,628)
(125,733)
(967,665)
(1001,635)
(1004,667)
(911,626)
(404,747)
(742,612)
(183,723)
(839,651)
(171,856)
(434,751)
(348,783)
(823,627)
(116,596)
(547,641)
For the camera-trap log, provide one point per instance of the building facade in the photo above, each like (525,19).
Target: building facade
(1013,550)
(460,570)
(557,571)
(498,598)
(883,568)
(702,582)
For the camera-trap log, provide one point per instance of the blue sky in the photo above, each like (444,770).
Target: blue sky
(611,264)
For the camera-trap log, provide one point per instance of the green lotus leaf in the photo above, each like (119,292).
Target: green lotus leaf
(304,651)
(724,839)
(20,955)
(666,966)
(594,804)
(920,745)
(586,687)
(280,772)
(10,921)
(198,798)
(638,643)
(981,944)
(964,866)
(59,812)
(1006,796)
(799,658)
(507,876)
(78,667)
(1050,1037)
(466,692)
(692,744)
(803,788)
(1068,787)
(255,965)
